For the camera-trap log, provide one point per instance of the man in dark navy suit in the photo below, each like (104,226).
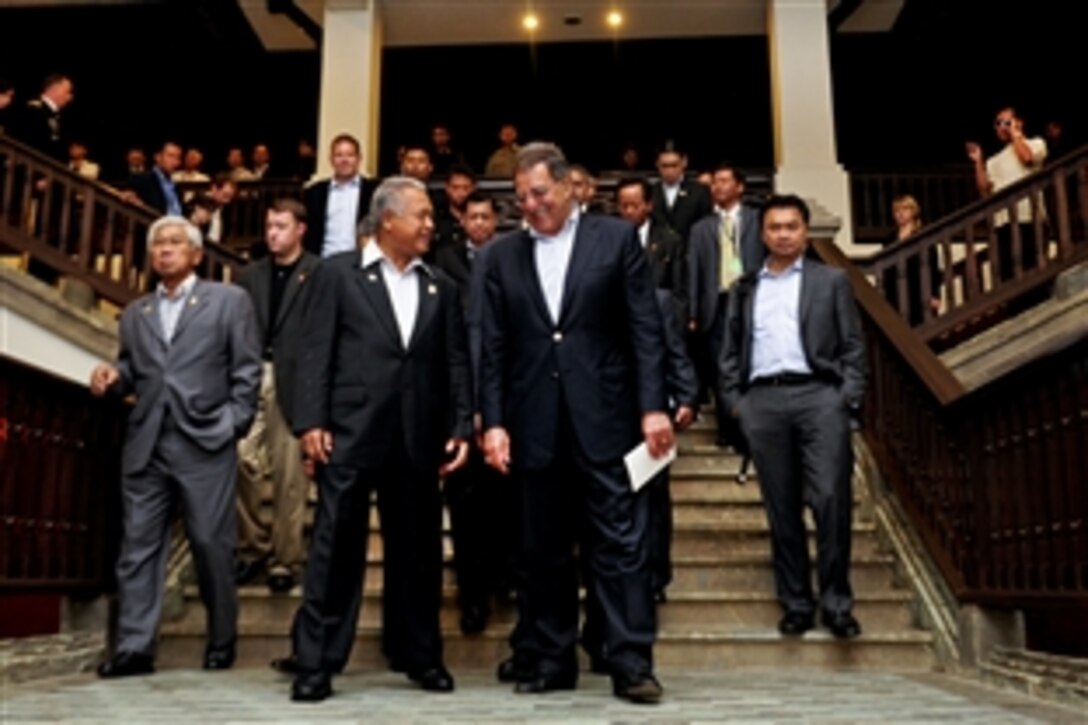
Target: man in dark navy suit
(572,378)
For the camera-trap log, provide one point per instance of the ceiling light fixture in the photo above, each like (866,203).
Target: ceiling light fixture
(530,22)
(614,19)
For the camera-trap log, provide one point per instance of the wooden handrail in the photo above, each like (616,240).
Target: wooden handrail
(993,478)
(967,271)
(71,226)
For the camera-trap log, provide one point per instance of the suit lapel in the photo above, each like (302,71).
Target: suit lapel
(376,293)
(193,306)
(531,276)
(149,313)
(428,305)
(579,255)
(804,301)
(291,291)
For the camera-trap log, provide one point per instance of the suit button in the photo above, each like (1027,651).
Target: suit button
(557,336)
(555,375)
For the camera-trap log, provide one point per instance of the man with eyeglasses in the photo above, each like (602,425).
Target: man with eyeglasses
(1020,157)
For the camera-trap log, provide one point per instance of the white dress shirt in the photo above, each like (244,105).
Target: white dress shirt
(552,255)
(670,190)
(734,214)
(341,215)
(776,324)
(403,288)
(644,233)
(170,306)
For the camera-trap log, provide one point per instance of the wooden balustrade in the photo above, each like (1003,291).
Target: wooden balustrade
(69,226)
(963,272)
(60,452)
(993,479)
(940,191)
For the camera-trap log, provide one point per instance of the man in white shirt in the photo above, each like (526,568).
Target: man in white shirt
(79,163)
(336,206)
(383,402)
(1020,157)
(190,172)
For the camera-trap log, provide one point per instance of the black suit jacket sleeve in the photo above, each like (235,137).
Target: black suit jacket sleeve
(318,351)
(459,367)
(646,329)
(680,376)
(731,363)
(147,187)
(493,323)
(852,347)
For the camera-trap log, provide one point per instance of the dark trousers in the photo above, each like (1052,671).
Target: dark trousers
(800,441)
(410,507)
(575,499)
(203,483)
(659,546)
(483,513)
(729,432)
(1029,250)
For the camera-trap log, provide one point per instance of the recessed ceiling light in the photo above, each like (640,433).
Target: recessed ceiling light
(530,22)
(614,19)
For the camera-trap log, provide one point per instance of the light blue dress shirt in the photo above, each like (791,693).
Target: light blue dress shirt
(170,307)
(341,216)
(776,324)
(169,192)
(552,256)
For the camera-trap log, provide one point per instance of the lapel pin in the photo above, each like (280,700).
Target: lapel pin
(148,309)
(372,277)
(432,290)
(192,301)
(301,277)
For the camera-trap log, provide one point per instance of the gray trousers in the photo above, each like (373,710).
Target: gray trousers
(800,441)
(203,482)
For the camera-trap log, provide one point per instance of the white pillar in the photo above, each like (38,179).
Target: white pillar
(351,54)
(806,163)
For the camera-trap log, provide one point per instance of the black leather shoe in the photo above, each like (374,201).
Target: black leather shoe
(127,664)
(246,571)
(516,668)
(280,583)
(842,624)
(794,624)
(639,689)
(436,679)
(311,687)
(285,665)
(219,658)
(474,619)
(540,683)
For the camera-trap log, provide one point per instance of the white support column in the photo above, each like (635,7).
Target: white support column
(351,54)
(806,163)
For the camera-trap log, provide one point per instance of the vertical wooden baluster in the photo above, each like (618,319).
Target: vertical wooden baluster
(86,231)
(1061,212)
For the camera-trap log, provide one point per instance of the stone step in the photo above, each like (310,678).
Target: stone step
(908,651)
(694,611)
(753,537)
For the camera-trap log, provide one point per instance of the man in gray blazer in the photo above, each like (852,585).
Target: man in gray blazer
(190,356)
(278,286)
(793,372)
(722,247)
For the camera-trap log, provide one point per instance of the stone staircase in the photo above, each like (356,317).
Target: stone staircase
(721,610)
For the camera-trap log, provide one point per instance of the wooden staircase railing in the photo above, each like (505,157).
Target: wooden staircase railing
(994,479)
(978,273)
(939,191)
(73,227)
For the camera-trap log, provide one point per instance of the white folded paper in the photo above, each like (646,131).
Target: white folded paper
(641,466)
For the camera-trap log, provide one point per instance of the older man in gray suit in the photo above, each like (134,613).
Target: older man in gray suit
(190,355)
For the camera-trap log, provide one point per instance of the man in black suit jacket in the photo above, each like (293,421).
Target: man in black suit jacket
(39,126)
(277,284)
(722,247)
(383,402)
(664,247)
(793,371)
(336,206)
(572,378)
(678,202)
(450,210)
(156,187)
